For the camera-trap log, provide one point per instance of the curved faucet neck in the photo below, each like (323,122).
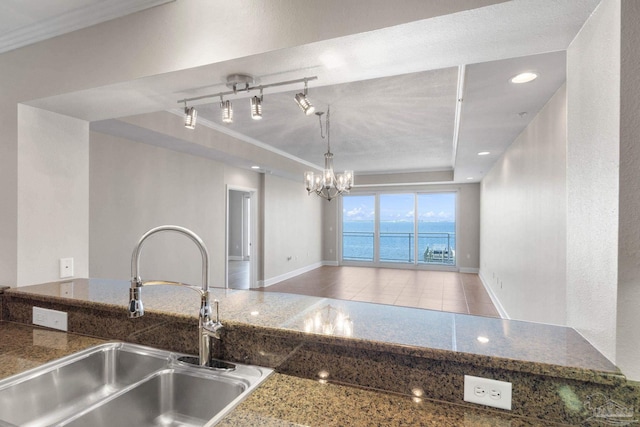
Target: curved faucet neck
(135,258)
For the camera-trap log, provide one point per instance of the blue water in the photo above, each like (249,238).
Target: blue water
(397,241)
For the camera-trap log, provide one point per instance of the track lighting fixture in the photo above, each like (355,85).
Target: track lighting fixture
(256,107)
(244,83)
(190,116)
(304,103)
(227,111)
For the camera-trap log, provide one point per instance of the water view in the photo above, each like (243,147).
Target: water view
(436,228)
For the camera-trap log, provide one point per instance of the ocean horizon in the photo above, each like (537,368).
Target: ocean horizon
(436,241)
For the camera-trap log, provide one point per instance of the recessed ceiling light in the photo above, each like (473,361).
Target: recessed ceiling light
(469,177)
(255,167)
(482,339)
(484,153)
(524,77)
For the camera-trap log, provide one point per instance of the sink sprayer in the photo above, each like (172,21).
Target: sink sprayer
(207,328)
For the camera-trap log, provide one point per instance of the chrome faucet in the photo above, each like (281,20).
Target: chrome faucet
(207,328)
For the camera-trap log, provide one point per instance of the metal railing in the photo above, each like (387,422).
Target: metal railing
(360,246)
(433,247)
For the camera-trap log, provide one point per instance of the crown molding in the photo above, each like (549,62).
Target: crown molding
(76,19)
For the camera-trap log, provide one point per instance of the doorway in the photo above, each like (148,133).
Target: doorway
(241,227)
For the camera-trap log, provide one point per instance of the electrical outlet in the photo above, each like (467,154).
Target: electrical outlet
(66,267)
(487,392)
(50,318)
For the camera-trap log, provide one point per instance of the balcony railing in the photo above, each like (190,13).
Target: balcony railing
(433,248)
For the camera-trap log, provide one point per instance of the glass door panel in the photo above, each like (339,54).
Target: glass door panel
(396,227)
(358,228)
(437,228)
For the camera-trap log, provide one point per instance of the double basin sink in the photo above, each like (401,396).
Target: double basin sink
(119,384)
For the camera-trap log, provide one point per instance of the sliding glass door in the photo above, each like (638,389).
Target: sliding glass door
(358,228)
(437,228)
(399,228)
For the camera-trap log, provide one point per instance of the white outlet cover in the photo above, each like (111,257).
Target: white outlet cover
(50,318)
(492,388)
(66,268)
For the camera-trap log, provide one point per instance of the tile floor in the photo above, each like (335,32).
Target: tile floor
(434,290)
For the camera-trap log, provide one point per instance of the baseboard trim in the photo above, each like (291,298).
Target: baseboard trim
(331,263)
(291,274)
(469,270)
(494,299)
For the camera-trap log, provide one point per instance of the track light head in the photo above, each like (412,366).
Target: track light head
(190,116)
(304,104)
(227,111)
(256,107)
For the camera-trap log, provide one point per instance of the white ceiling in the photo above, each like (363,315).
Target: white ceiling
(392,91)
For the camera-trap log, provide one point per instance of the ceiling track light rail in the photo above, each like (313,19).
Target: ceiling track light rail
(245,83)
(248,88)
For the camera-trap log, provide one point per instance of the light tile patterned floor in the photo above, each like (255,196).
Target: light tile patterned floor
(434,290)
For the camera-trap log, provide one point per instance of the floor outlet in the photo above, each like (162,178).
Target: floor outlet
(50,318)
(484,391)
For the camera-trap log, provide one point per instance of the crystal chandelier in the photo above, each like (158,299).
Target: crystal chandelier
(329,184)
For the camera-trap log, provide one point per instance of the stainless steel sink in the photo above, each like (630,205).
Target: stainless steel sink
(124,384)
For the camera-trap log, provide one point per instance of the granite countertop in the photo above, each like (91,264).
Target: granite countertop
(538,346)
(281,400)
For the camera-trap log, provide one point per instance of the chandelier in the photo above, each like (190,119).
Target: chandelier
(328,185)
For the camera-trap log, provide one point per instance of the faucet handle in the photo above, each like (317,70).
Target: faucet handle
(216,307)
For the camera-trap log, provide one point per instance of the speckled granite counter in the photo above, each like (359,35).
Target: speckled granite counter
(289,401)
(554,371)
(25,347)
(281,401)
(408,328)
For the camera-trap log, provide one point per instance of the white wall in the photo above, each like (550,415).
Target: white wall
(468,238)
(236,222)
(135,187)
(292,228)
(330,238)
(53,195)
(593,154)
(628,337)
(523,220)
